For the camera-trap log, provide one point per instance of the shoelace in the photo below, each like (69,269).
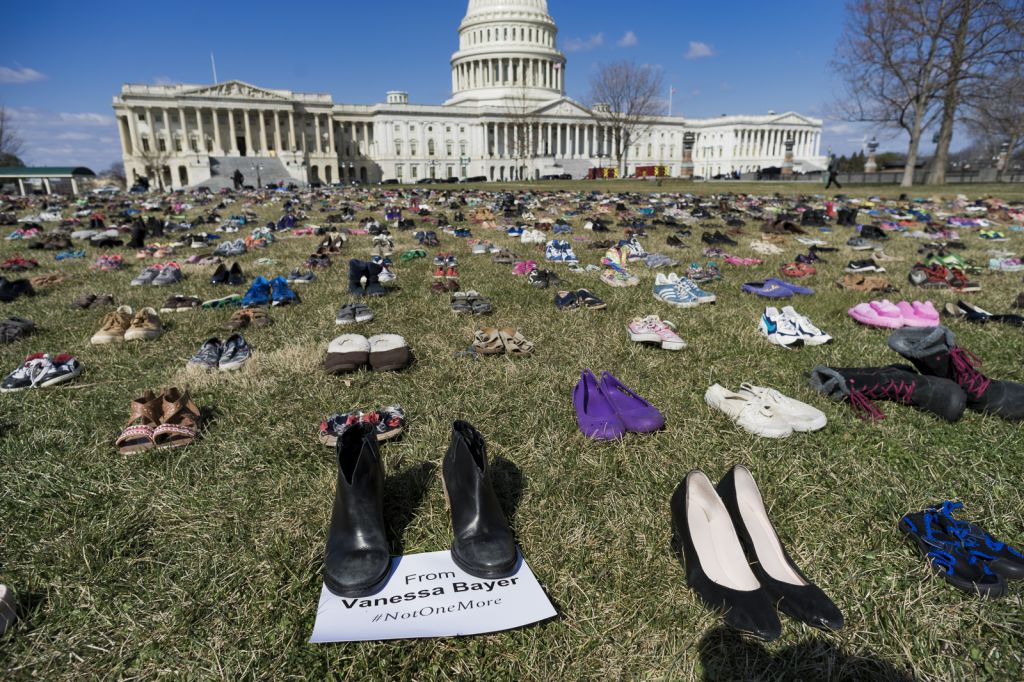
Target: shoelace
(861,398)
(966,364)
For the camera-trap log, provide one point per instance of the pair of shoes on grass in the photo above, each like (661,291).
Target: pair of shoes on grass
(381,353)
(166,420)
(470,302)
(41,371)
(225,356)
(764,411)
(607,409)
(263,292)
(124,324)
(788,328)
(501,340)
(964,554)
(387,423)
(735,562)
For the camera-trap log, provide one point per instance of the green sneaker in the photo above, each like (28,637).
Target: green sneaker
(232,300)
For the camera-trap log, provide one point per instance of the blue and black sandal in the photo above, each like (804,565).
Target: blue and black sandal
(961,568)
(1002,558)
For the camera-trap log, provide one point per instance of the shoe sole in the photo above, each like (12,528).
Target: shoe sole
(61,379)
(678,304)
(336,589)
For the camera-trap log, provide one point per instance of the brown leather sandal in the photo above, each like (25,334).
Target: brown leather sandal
(145,416)
(514,342)
(180,420)
(487,341)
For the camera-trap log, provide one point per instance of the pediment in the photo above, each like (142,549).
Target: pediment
(793,118)
(235,90)
(563,107)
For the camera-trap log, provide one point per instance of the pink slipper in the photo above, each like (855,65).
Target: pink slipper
(886,309)
(911,318)
(524,267)
(865,314)
(927,311)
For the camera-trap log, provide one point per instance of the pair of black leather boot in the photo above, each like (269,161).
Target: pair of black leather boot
(944,380)
(357,270)
(357,561)
(734,560)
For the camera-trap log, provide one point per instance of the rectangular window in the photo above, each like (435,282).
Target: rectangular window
(398,147)
(161,145)
(462,148)
(451,172)
(413,171)
(412,149)
(145,144)
(398,172)
(448,147)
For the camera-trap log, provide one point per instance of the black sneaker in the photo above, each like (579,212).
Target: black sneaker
(208,355)
(856,266)
(1003,559)
(53,371)
(236,353)
(21,377)
(962,569)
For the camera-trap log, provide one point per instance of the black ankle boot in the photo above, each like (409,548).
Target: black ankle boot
(785,583)
(897,383)
(138,239)
(373,285)
(934,351)
(357,559)
(483,546)
(356,270)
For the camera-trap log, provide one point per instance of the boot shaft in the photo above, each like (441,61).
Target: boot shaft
(862,386)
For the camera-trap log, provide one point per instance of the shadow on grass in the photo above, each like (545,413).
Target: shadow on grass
(507,481)
(727,655)
(403,495)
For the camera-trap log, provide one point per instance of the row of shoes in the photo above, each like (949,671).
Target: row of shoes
(735,562)
(889,315)
(387,423)
(764,411)
(945,380)
(225,356)
(680,292)
(501,340)
(788,328)
(963,553)
(41,371)
(608,409)
(381,353)
(357,560)
(264,292)
(168,419)
(124,324)
(159,275)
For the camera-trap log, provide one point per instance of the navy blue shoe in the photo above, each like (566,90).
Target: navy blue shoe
(281,293)
(258,294)
(1002,558)
(960,568)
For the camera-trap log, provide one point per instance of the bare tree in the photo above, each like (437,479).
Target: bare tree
(996,114)
(891,64)
(521,145)
(154,161)
(11,144)
(116,172)
(984,37)
(627,96)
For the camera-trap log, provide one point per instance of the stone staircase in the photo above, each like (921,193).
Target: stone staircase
(222,168)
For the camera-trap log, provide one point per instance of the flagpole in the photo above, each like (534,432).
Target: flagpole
(213,64)
(670,91)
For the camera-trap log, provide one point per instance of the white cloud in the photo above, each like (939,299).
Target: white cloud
(165,80)
(86,119)
(19,75)
(67,138)
(699,50)
(842,128)
(581,45)
(628,40)
(74,136)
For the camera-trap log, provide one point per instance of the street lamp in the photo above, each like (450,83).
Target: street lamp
(257,167)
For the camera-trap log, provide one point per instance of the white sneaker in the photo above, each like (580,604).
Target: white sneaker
(810,241)
(750,413)
(801,416)
(812,336)
(765,248)
(779,329)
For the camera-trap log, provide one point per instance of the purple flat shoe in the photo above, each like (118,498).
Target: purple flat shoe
(594,414)
(767,289)
(795,288)
(638,415)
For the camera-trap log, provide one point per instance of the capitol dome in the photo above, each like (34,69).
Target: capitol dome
(507,55)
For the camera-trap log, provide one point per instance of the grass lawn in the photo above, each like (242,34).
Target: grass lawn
(205,562)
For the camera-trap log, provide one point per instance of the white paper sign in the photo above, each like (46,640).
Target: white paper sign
(427,595)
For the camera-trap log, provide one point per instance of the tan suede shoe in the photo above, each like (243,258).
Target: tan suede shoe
(114,326)
(145,326)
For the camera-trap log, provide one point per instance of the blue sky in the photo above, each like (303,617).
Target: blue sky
(64,61)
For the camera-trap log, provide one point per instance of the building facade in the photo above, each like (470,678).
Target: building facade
(508,119)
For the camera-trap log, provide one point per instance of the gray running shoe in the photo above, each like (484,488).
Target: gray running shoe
(147,276)
(171,274)
(208,355)
(235,354)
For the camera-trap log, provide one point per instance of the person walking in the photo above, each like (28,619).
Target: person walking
(833,173)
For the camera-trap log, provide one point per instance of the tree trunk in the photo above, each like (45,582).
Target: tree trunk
(951,97)
(915,143)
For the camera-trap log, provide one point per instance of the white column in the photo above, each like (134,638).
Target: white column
(21,186)
(216,132)
(133,133)
(331,149)
(248,133)
(167,130)
(291,131)
(185,148)
(317,144)
(263,133)
(200,132)
(231,132)
(74,187)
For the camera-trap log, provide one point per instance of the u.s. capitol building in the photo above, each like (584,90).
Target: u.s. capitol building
(508,118)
